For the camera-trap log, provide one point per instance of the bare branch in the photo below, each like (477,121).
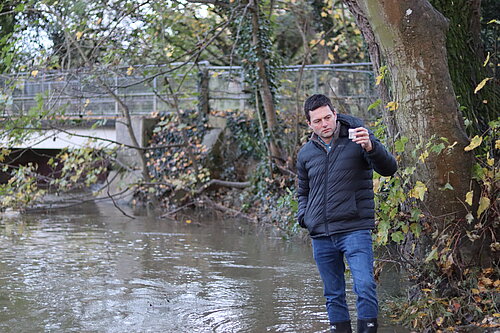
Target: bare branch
(218,182)
(114,202)
(222,208)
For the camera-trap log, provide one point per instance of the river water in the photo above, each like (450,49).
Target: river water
(92,269)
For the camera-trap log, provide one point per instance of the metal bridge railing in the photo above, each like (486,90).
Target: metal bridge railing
(143,89)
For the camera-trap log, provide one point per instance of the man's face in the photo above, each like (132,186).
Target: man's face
(323,122)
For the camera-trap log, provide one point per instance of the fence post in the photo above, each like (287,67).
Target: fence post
(203,91)
(242,85)
(316,86)
(117,109)
(155,87)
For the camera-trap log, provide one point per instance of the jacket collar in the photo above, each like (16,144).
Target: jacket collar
(336,135)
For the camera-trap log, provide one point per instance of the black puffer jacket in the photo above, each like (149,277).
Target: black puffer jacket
(335,191)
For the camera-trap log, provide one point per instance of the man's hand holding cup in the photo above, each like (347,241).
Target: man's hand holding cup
(361,136)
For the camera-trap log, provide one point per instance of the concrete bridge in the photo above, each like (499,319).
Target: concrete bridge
(95,96)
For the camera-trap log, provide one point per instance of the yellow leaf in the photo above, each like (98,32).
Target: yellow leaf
(497,144)
(79,35)
(481,85)
(392,106)
(490,161)
(475,291)
(322,42)
(99,21)
(423,156)
(378,79)
(130,70)
(418,191)
(427,290)
(439,321)
(487,60)
(5,152)
(484,203)
(323,14)
(475,142)
(331,56)
(468,197)
(327,62)
(34,73)
(188,221)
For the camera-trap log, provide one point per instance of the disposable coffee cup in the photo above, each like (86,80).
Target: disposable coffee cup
(352,133)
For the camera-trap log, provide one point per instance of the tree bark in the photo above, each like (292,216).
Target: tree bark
(409,36)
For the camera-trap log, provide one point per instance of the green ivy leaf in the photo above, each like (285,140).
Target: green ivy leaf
(416,229)
(478,172)
(415,214)
(374,104)
(400,144)
(397,237)
(437,148)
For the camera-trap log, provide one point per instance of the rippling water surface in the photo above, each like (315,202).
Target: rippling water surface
(92,269)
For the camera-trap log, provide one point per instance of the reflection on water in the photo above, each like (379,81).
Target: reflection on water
(94,270)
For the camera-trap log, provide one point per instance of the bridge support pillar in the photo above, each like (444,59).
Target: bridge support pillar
(121,180)
(141,126)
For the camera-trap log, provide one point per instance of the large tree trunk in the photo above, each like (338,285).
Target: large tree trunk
(409,36)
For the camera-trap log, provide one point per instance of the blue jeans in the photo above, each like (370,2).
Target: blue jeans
(329,254)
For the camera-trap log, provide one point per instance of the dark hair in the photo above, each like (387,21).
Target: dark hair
(316,101)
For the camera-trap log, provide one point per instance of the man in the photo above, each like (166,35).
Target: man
(335,195)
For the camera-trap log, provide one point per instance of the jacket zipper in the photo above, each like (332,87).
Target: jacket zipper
(336,150)
(325,196)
